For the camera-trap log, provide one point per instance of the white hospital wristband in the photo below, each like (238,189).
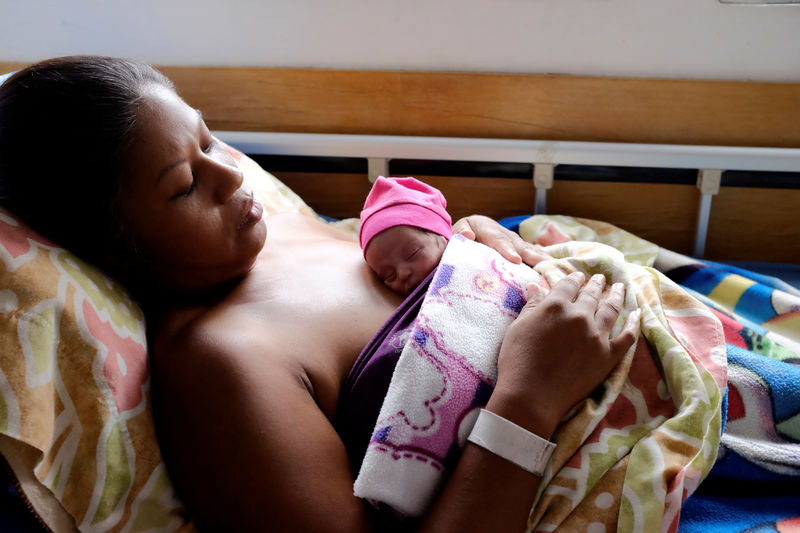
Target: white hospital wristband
(511,442)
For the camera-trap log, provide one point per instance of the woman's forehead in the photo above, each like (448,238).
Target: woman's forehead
(165,127)
(163,114)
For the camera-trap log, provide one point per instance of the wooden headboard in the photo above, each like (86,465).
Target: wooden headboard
(746,222)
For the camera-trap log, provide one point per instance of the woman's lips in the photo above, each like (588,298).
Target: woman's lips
(253,212)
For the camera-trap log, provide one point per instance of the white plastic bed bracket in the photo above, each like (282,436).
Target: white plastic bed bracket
(377,166)
(708,181)
(542,180)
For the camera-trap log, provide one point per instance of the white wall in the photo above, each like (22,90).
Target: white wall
(650,38)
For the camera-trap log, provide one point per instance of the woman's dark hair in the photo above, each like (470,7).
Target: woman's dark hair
(65,125)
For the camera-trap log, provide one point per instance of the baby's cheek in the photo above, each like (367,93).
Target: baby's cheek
(428,265)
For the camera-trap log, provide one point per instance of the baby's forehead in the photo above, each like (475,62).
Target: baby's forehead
(402,232)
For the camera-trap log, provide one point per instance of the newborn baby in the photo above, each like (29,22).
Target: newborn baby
(404,230)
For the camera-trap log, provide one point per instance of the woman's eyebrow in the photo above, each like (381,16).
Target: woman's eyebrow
(166,169)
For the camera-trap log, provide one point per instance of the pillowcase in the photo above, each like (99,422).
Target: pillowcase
(75,409)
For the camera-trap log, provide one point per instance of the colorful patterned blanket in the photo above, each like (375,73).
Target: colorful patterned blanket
(75,408)
(755,483)
(625,460)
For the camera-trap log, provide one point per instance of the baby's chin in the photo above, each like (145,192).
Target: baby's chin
(404,290)
(401,289)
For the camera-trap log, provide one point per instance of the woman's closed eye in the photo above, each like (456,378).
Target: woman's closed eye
(210,146)
(188,190)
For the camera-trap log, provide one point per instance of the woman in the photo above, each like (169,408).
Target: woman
(249,344)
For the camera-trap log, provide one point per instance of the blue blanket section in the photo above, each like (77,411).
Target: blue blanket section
(755,302)
(739,495)
(711,514)
(513,223)
(750,492)
(782,378)
(15,512)
(785,273)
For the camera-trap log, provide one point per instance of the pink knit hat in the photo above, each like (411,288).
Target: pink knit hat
(403,202)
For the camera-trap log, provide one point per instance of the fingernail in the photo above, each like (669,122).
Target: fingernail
(532,292)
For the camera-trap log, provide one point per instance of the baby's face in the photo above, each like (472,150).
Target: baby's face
(403,255)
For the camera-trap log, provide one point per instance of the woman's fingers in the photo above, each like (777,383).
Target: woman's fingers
(568,287)
(534,294)
(625,339)
(608,310)
(560,347)
(531,253)
(611,306)
(462,227)
(607,313)
(496,236)
(509,244)
(592,291)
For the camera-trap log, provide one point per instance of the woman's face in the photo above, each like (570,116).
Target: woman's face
(402,256)
(183,200)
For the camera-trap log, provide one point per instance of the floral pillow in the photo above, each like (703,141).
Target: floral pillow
(75,410)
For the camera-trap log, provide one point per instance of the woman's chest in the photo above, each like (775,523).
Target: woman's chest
(318,313)
(325,289)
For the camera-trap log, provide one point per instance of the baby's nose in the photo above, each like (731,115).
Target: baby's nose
(404,271)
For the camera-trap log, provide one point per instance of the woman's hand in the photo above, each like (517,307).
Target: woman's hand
(506,242)
(553,355)
(558,350)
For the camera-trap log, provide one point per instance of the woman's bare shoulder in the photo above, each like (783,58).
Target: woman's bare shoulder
(204,337)
(228,390)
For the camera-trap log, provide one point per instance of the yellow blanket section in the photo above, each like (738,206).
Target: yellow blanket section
(628,459)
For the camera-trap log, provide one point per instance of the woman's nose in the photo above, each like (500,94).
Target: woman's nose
(229,180)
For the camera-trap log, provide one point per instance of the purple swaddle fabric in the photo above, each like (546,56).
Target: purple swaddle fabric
(367,382)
